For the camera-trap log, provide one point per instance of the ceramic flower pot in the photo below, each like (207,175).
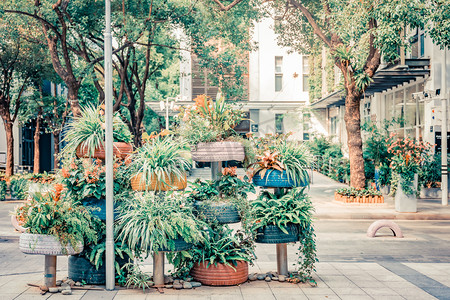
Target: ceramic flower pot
(223,213)
(275,179)
(218,151)
(46,245)
(171,183)
(220,275)
(272,234)
(406,202)
(120,149)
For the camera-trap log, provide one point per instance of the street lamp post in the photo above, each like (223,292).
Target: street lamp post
(166,106)
(109,255)
(444,163)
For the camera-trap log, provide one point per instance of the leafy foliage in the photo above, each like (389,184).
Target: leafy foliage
(350,191)
(19,187)
(148,222)
(160,159)
(53,215)
(3,187)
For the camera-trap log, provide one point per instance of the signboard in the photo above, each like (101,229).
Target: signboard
(254,127)
(437,140)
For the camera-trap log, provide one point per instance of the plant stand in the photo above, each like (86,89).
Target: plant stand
(282,264)
(50,271)
(158,270)
(216,169)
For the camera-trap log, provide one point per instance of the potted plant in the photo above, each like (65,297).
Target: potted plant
(160,165)
(407,159)
(223,200)
(18,186)
(283,165)
(86,135)
(151,221)
(55,225)
(208,127)
(284,218)
(430,177)
(353,195)
(3,187)
(85,181)
(222,258)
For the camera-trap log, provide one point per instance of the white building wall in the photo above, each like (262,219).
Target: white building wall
(3,146)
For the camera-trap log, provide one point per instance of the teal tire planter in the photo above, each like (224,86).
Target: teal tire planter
(272,234)
(223,213)
(275,179)
(176,245)
(98,207)
(80,269)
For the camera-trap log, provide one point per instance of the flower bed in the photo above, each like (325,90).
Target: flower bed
(352,195)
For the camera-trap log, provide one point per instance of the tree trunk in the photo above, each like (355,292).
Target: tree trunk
(72,95)
(9,148)
(37,136)
(353,125)
(55,149)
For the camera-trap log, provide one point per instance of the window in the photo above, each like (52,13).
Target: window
(367,111)
(422,45)
(333,125)
(279,123)
(278,73)
(414,40)
(305,71)
(306,126)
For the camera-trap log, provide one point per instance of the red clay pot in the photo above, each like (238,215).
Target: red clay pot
(121,150)
(220,274)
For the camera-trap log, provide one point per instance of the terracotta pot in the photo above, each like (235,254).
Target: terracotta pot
(220,274)
(218,151)
(171,184)
(121,150)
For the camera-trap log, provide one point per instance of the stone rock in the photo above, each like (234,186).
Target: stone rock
(187,285)
(268,279)
(168,279)
(269,275)
(77,283)
(58,282)
(253,277)
(176,281)
(261,276)
(177,286)
(65,284)
(189,279)
(168,286)
(275,278)
(281,278)
(195,284)
(70,282)
(53,290)
(43,288)
(67,292)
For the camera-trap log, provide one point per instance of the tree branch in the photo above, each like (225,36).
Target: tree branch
(229,6)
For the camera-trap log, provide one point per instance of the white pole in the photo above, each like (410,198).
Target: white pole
(110,278)
(444,167)
(167,113)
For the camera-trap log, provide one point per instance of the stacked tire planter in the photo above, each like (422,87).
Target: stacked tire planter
(80,269)
(222,213)
(272,234)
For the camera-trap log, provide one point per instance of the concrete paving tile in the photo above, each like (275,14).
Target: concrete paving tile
(279,291)
(189,297)
(369,283)
(354,297)
(285,285)
(268,296)
(388,297)
(32,297)
(250,291)
(159,297)
(95,295)
(401,285)
(255,284)
(348,291)
(324,296)
(60,296)
(132,291)
(379,291)
(318,291)
(291,297)
(224,297)
(4,296)
(420,297)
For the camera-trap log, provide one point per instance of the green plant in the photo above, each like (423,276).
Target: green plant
(161,159)
(351,191)
(202,190)
(285,156)
(85,178)
(136,277)
(220,245)
(281,209)
(19,187)
(3,187)
(88,131)
(430,175)
(230,185)
(208,120)
(148,222)
(52,214)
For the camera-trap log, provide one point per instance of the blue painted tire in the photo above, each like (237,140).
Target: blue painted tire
(275,179)
(223,213)
(98,207)
(272,234)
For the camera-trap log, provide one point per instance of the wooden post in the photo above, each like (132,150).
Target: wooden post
(158,268)
(50,271)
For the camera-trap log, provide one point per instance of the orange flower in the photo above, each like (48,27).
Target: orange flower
(229,171)
(65,173)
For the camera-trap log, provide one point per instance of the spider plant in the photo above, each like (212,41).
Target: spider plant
(161,159)
(285,156)
(88,131)
(148,222)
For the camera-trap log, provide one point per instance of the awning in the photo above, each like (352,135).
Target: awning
(387,78)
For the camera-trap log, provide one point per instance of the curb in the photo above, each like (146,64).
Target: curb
(379,216)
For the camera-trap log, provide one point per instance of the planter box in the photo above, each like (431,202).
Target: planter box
(121,150)
(218,151)
(359,199)
(406,202)
(98,207)
(221,274)
(431,193)
(169,184)
(46,245)
(224,213)
(275,179)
